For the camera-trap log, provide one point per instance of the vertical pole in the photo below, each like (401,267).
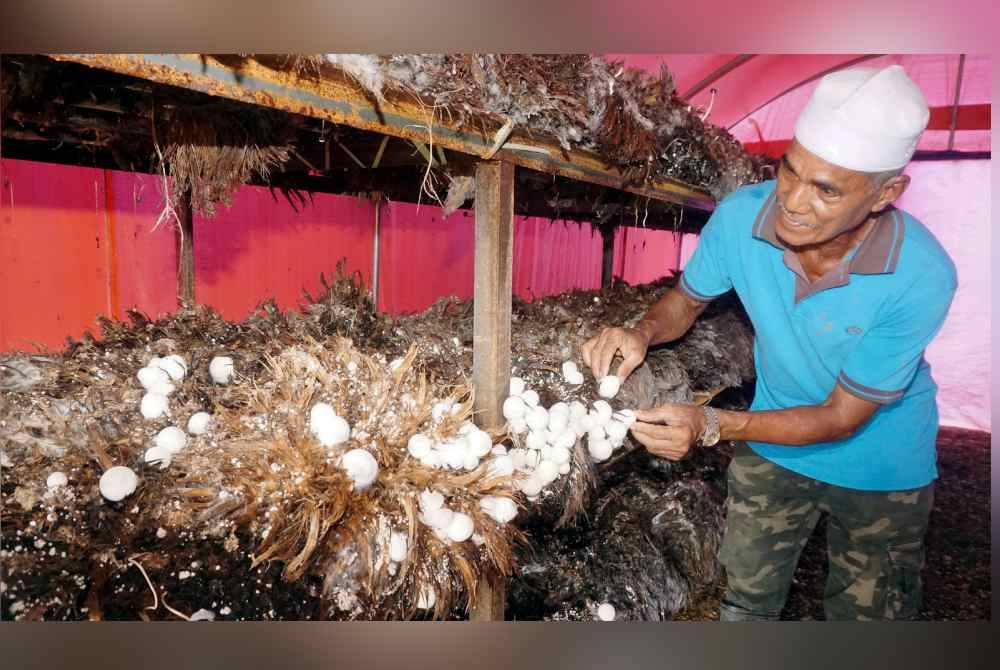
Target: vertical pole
(376,248)
(185,251)
(607,255)
(958,98)
(491,324)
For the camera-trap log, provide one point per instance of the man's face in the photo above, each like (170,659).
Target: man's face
(820,200)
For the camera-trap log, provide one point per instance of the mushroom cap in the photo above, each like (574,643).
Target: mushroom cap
(558,421)
(398,545)
(500,508)
(361,467)
(158,454)
(439,519)
(56,479)
(328,428)
(577,409)
(564,468)
(600,450)
(453,453)
(567,439)
(575,379)
(606,612)
(220,369)
(535,440)
(538,418)
(500,466)
(175,368)
(480,442)
(568,368)
(172,439)
(531,486)
(547,471)
(149,375)
(609,386)
(517,386)
(513,408)
(198,423)
(431,500)
(518,426)
(419,445)
(603,410)
(560,455)
(153,405)
(461,527)
(530,397)
(471,461)
(118,482)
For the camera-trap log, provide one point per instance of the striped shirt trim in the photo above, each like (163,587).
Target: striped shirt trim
(867,392)
(691,293)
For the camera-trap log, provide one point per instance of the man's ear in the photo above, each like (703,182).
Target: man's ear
(890,191)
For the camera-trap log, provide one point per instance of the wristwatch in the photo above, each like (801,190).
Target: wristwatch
(710,437)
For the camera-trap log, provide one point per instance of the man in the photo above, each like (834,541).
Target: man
(844,293)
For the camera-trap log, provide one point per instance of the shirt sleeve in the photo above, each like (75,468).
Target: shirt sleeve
(706,275)
(884,363)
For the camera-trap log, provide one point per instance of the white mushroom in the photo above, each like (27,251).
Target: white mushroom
(158,455)
(118,482)
(432,459)
(171,439)
(558,421)
(461,527)
(56,479)
(517,458)
(499,508)
(439,519)
(479,442)
(603,410)
(606,612)
(531,486)
(530,397)
(220,369)
(564,468)
(609,386)
(441,408)
(498,450)
(173,365)
(471,461)
(616,432)
(419,445)
(148,376)
(500,466)
(518,426)
(203,615)
(600,450)
(397,547)
(538,418)
(531,459)
(361,467)
(567,439)
(560,455)
(535,440)
(430,500)
(516,386)
(547,472)
(153,405)
(453,453)
(575,379)
(198,423)
(513,408)
(577,409)
(568,369)
(328,428)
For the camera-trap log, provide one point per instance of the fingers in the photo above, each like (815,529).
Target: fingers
(632,360)
(672,442)
(587,348)
(668,413)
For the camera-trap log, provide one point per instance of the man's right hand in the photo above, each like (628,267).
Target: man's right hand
(599,351)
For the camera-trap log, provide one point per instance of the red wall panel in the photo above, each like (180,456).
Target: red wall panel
(54,253)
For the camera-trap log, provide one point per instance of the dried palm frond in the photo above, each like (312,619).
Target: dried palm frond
(214,150)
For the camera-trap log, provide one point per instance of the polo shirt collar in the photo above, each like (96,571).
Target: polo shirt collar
(878,253)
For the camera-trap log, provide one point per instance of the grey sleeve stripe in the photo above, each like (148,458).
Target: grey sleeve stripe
(691,293)
(867,392)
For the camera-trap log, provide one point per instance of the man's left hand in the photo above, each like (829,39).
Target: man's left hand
(669,431)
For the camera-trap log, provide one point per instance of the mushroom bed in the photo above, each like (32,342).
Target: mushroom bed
(322,464)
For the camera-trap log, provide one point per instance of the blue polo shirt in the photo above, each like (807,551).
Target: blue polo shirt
(863,325)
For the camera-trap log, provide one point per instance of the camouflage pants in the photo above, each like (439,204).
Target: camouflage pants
(875,542)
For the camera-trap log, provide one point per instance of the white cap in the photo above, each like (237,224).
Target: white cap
(864,119)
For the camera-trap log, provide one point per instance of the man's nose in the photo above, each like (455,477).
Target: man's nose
(795,199)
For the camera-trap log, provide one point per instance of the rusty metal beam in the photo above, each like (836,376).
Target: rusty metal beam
(338,99)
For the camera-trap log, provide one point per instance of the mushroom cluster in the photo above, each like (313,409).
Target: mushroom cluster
(547,436)
(465,451)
